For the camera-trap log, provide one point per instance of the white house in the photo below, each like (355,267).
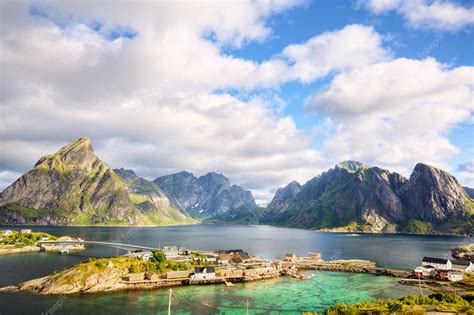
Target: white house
(204,273)
(171,251)
(438,263)
(142,255)
(25,231)
(7,232)
(462,265)
(454,276)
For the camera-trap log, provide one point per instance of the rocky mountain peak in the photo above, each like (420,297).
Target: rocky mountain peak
(433,194)
(351,166)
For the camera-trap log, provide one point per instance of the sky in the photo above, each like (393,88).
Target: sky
(264,91)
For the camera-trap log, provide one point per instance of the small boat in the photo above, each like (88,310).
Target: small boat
(229,284)
(302,277)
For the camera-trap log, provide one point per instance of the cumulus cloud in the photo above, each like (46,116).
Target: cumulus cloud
(427,14)
(396,113)
(351,47)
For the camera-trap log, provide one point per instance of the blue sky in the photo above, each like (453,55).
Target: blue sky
(265,92)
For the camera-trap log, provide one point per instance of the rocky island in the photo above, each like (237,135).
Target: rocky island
(26,240)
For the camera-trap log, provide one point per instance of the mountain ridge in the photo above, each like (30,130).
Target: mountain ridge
(353,196)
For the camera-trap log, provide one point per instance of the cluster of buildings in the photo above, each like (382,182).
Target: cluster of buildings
(443,268)
(220,266)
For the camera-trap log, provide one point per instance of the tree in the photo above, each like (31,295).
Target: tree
(158,256)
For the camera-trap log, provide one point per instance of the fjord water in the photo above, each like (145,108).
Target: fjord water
(322,290)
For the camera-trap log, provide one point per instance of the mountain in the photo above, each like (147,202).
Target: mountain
(354,196)
(73,186)
(210,196)
(150,199)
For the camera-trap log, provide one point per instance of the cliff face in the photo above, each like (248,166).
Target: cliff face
(358,197)
(205,197)
(72,186)
(434,195)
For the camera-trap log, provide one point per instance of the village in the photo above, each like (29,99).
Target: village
(237,265)
(221,266)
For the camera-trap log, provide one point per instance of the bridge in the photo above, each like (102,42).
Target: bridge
(127,247)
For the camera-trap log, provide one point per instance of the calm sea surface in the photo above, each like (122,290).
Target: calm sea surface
(283,295)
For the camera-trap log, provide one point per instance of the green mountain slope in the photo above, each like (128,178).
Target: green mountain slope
(74,187)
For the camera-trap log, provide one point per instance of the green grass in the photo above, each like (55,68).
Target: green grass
(19,239)
(409,305)
(30,212)
(138,198)
(417,227)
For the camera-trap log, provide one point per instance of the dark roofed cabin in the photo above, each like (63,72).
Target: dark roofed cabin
(435,260)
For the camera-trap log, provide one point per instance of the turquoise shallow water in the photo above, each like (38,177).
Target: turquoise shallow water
(276,296)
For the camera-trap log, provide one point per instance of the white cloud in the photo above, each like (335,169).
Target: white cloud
(426,14)
(396,113)
(351,47)
(466,171)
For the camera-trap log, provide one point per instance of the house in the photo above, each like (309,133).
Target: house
(259,272)
(136,276)
(171,251)
(44,238)
(242,255)
(454,276)
(210,258)
(230,273)
(7,232)
(424,271)
(204,273)
(177,274)
(438,263)
(462,265)
(314,256)
(236,260)
(25,231)
(440,274)
(182,251)
(142,255)
(290,257)
(223,259)
(153,276)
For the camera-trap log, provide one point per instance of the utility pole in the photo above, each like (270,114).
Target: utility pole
(421,289)
(169,303)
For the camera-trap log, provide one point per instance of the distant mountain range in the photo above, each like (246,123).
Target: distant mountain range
(74,187)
